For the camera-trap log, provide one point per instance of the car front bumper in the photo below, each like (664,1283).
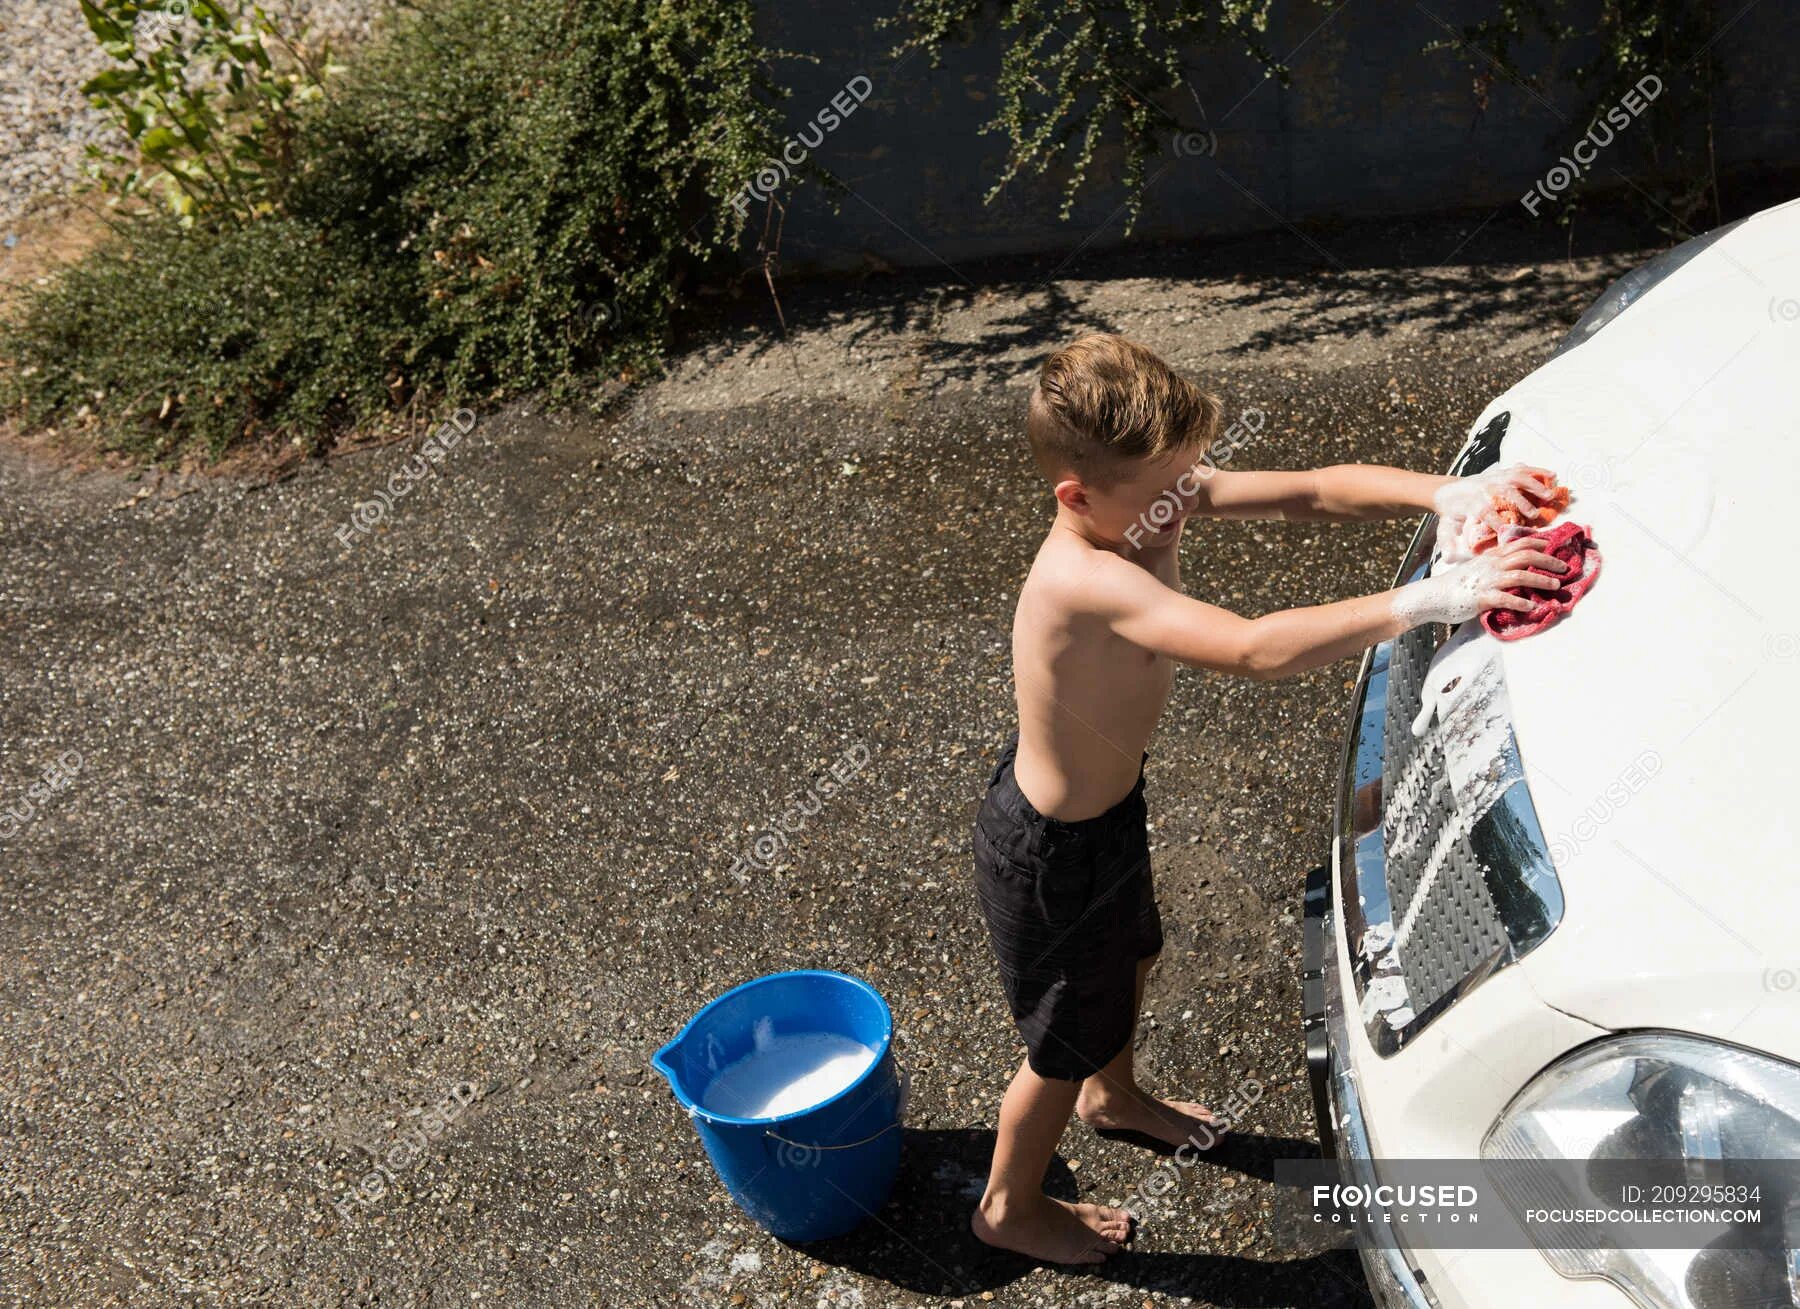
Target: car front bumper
(1393,1280)
(1349,1117)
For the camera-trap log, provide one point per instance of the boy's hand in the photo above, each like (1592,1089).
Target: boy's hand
(1459,592)
(1477,500)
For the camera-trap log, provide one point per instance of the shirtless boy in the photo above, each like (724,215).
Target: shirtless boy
(1062,861)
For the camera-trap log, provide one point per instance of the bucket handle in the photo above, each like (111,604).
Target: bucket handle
(899,1120)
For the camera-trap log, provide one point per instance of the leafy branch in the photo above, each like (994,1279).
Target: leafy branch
(1078,73)
(212,113)
(1673,40)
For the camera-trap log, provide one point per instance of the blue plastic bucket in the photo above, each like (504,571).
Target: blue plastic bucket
(819,1171)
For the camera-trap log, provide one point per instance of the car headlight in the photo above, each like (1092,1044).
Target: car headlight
(1687,1103)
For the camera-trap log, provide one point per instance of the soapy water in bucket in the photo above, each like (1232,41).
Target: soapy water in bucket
(784,1074)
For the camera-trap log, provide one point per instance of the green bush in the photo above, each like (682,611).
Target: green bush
(170,339)
(492,199)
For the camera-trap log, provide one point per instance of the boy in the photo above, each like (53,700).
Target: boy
(1061,855)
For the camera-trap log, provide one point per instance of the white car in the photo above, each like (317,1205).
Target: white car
(1563,919)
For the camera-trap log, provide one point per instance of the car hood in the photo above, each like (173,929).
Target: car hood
(1658,722)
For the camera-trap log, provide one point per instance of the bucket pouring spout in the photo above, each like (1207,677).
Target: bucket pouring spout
(689,1063)
(663,1061)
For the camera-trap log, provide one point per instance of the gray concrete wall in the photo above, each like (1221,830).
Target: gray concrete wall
(1370,125)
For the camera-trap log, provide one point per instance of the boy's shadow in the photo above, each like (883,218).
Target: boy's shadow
(920,1240)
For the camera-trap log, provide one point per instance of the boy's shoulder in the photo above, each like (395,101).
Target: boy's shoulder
(1073,575)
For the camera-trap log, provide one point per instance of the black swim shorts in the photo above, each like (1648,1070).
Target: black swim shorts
(1070,911)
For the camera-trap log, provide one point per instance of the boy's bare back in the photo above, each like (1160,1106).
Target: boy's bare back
(1088,698)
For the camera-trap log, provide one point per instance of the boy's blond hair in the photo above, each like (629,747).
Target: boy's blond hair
(1102,400)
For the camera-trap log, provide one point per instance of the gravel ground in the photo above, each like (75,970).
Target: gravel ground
(47,53)
(361,818)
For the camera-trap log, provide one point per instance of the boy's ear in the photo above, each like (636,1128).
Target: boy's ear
(1073,495)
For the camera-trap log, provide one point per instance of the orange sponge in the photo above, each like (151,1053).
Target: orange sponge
(1552,500)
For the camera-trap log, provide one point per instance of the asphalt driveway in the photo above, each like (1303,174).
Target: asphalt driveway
(427,832)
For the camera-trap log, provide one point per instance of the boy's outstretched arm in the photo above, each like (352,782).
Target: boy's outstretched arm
(1341,491)
(1140,608)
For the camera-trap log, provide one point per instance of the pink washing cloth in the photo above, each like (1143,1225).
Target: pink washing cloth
(1569,542)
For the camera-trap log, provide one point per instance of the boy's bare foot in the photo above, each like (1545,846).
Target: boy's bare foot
(1040,1227)
(1174,1122)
